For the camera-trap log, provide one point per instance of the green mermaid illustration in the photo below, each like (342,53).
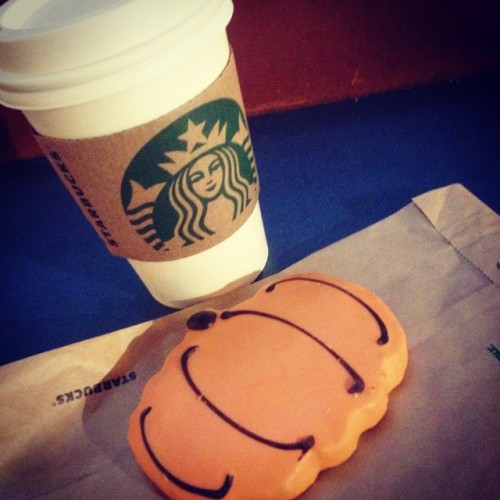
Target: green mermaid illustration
(197,190)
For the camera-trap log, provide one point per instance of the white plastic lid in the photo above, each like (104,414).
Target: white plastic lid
(56,53)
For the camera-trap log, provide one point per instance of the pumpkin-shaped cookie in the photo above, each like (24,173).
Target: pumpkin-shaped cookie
(258,399)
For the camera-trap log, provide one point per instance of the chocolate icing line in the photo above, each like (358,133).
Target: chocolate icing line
(206,492)
(304,444)
(201,320)
(358,385)
(384,335)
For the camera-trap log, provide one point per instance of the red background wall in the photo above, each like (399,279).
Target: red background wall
(293,53)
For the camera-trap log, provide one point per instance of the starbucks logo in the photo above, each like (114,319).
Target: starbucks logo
(193,180)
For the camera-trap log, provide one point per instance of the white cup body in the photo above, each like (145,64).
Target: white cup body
(231,263)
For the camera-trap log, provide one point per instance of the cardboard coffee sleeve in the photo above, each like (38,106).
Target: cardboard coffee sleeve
(172,187)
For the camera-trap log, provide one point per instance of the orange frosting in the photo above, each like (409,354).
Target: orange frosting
(257,400)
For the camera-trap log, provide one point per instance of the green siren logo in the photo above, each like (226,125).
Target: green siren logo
(193,180)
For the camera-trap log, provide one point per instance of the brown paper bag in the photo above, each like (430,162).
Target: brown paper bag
(64,414)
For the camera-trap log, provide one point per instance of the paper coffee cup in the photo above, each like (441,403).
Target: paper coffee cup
(137,105)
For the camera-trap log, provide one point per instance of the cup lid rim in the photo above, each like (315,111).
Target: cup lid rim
(42,57)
